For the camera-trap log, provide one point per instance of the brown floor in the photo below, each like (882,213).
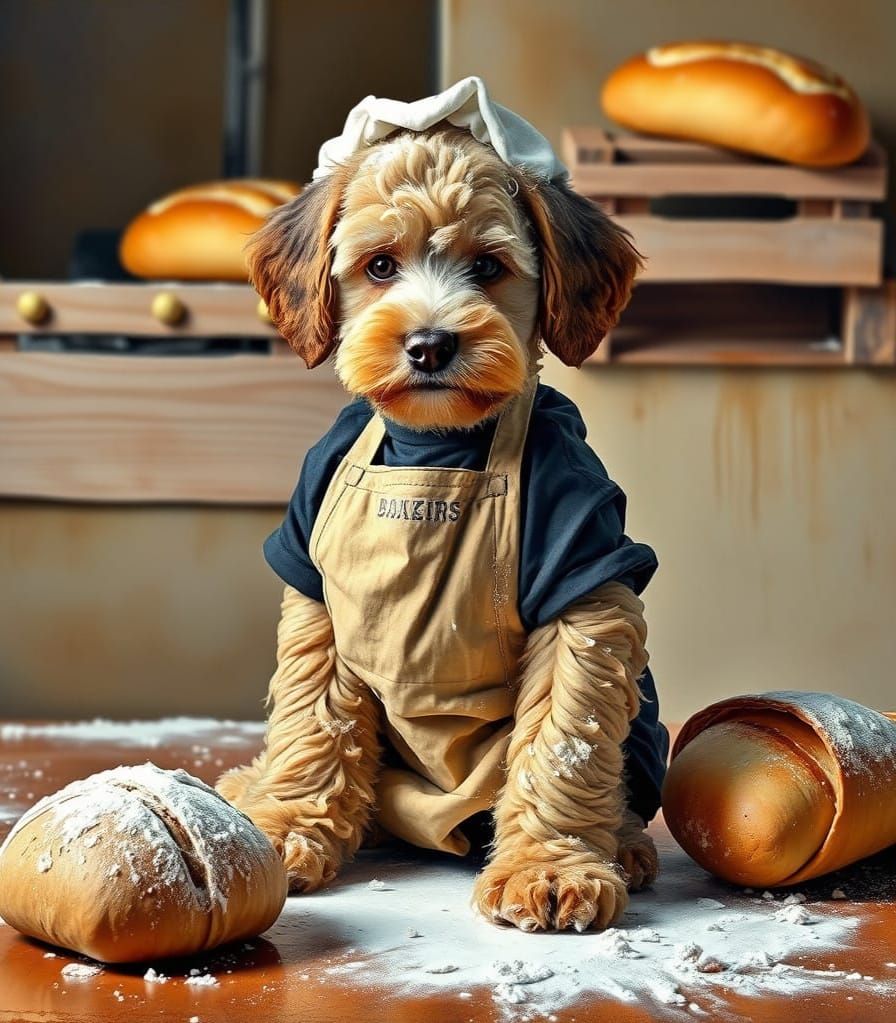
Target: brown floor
(281,978)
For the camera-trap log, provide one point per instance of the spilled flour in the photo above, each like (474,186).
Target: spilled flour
(677,951)
(150,734)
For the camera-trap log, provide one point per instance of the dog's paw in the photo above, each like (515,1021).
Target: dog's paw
(637,856)
(551,896)
(306,861)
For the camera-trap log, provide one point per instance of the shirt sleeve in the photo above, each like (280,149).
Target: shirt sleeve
(573,535)
(286,550)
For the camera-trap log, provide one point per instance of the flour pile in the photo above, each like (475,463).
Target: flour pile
(151,734)
(675,949)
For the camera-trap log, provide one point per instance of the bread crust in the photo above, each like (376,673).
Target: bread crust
(137,864)
(750,98)
(198,232)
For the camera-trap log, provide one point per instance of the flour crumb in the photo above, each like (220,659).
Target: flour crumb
(646,934)
(518,972)
(194,1019)
(757,960)
(768,896)
(614,943)
(152,977)
(794,915)
(414,933)
(80,971)
(838,893)
(464,994)
(205,980)
(441,968)
(665,992)
(44,862)
(335,728)
(688,952)
(509,993)
(710,904)
(709,964)
(378,886)
(571,753)
(794,899)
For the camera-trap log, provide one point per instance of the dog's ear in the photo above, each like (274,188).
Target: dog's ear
(289,263)
(588,264)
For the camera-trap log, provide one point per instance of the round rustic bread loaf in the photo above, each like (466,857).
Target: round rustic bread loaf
(198,232)
(138,863)
(743,96)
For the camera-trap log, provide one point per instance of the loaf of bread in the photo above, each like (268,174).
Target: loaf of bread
(198,233)
(751,98)
(138,863)
(775,789)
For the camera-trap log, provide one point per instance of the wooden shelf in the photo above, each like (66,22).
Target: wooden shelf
(210,310)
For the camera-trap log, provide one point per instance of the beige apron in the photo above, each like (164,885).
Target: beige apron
(420,573)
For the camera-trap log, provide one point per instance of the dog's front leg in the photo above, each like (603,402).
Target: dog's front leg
(311,789)
(553,863)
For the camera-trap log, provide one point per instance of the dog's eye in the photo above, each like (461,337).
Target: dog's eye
(487,268)
(382,268)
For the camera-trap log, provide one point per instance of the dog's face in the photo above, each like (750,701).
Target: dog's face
(438,282)
(433,269)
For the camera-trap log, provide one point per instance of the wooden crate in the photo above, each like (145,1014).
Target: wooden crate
(831,240)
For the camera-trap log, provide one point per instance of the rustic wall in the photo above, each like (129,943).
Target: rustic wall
(114,104)
(770,496)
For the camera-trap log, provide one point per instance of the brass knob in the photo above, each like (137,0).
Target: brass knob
(264,314)
(168,309)
(32,307)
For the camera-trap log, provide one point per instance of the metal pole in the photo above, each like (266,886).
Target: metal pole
(244,88)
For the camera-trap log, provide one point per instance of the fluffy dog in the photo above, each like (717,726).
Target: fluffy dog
(436,272)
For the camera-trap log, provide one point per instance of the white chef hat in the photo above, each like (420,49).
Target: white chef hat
(465,104)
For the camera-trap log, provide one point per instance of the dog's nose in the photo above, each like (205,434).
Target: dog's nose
(430,350)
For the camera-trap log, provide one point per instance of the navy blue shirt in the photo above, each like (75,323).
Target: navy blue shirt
(572,531)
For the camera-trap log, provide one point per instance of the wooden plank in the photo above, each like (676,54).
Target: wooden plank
(212,310)
(869,325)
(582,140)
(710,179)
(798,251)
(591,146)
(134,428)
(658,167)
(701,352)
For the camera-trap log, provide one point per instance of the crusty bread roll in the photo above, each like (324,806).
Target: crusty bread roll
(775,789)
(138,863)
(752,98)
(198,233)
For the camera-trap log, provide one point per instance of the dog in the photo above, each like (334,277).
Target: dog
(437,276)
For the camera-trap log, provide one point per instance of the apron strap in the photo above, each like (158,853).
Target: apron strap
(506,452)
